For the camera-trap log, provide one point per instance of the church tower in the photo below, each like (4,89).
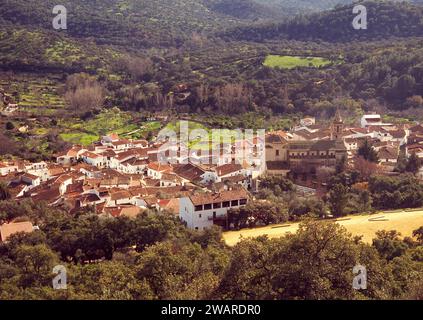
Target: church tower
(337,127)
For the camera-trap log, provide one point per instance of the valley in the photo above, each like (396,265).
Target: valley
(125,159)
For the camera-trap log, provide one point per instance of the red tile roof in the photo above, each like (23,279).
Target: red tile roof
(228,169)
(210,197)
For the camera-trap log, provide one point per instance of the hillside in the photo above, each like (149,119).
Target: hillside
(248,9)
(385,19)
(40,50)
(139,23)
(170,23)
(298,6)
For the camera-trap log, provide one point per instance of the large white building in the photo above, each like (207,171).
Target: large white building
(373,120)
(202,211)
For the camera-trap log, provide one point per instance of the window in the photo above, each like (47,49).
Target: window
(226,204)
(199,208)
(277,153)
(242,202)
(214,215)
(207,206)
(217,205)
(234,203)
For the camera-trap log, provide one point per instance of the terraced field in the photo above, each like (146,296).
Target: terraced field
(108,121)
(34,94)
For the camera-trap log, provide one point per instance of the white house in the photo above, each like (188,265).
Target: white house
(156,169)
(229,170)
(118,159)
(202,211)
(121,145)
(71,156)
(388,155)
(171,180)
(31,179)
(120,197)
(64,181)
(36,166)
(6,168)
(133,166)
(140,144)
(109,139)
(93,159)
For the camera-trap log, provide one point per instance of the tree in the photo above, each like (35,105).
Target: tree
(315,263)
(109,280)
(9,126)
(270,182)
(360,201)
(367,152)
(311,207)
(413,164)
(257,212)
(419,234)
(414,102)
(36,263)
(405,86)
(338,199)
(365,168)
(8,146)
(139,68)
(403,191)
(233,98)
(323,174)
(180,271)
(401,163)
(150,228)
(4,192)
(389,245)
(84,93)
(341,165)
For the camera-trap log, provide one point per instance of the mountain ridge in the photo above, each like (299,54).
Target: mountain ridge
(385,19)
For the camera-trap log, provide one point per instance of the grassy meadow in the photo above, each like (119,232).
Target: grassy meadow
(291,62)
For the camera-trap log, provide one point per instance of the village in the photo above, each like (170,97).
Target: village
(123,177)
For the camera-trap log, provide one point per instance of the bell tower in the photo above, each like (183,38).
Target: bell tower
(337,127)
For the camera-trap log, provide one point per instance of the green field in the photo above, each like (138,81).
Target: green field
(108,121)
(291,62)
(79,138)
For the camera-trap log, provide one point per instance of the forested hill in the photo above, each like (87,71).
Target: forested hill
(385,19)
(248,9)
(297,6)
(141,23)
(161,23)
